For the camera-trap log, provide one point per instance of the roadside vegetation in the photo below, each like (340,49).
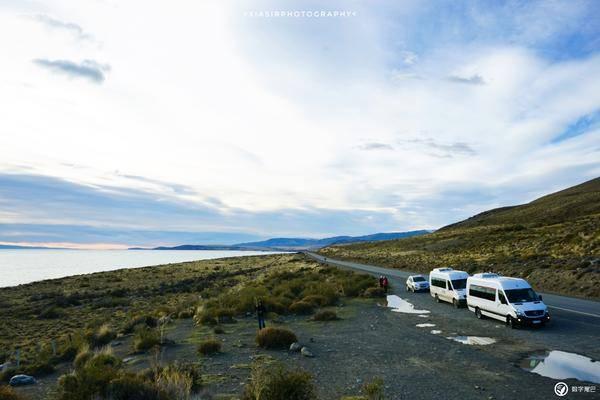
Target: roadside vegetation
(92,314)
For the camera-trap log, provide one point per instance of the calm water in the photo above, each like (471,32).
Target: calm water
(24,266)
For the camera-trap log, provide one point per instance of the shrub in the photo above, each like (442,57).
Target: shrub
(374,292)
(301,308)
(145,338)
(132,387)
(144,320)
(191,370)
(82,357)
(325,315)
(91,378)
(174,384)
(278,305)
(224,315)
(8,393)
(274,382)
(316,300)
(275,338)
(206,318)
(209,347)
(103,336)
(374,389)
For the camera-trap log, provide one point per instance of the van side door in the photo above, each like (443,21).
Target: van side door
(502,304)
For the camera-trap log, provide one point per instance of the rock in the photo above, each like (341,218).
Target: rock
(117,343)
(306,352)
(21,380)
(295,347)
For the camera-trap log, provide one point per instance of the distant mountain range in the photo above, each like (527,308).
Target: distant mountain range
(14,247)
(296,243)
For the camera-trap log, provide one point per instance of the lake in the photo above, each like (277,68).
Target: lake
(24,266)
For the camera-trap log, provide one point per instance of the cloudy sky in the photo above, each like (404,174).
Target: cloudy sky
(150,122)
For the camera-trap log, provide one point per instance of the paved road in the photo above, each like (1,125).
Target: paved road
(567,309)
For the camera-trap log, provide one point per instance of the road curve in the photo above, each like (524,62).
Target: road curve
(563,304)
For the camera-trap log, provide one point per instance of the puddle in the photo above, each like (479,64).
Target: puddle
(473,340)
(562,365)
(425,325)
(402,306)
(435,332)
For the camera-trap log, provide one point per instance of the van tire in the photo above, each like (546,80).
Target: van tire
(478,313)
(510,322)
(455,303)
(437,299)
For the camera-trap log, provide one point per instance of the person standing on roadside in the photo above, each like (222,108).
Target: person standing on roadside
(385,284)
(381,281)
(260,314)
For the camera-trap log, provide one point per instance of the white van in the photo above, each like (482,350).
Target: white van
(511,300)
(446,284)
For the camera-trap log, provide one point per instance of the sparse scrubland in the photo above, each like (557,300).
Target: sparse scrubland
(553,242)
(99,322)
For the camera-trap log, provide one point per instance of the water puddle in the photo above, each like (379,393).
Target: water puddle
(425,325)
(473,340)
(402,306)
(562,365)
(435,332)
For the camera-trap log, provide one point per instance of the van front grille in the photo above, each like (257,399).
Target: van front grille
(534,313)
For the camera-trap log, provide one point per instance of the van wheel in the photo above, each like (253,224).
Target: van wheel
(437,299)
(478,313)
(455,303)
(510,322)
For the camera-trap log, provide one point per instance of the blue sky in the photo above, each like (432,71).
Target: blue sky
(207,122)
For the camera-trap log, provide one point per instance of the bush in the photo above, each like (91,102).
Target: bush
(209,347)
(8,393)
(174,383)
(145,338)
(316,300)
(275,338)
(374,292)
(374,389)
(91,378)
(301,308)
(206,318)
(325,315)
(143,320)
(103,336)
(274,382)
(185,314)
(132,387)
(224,315)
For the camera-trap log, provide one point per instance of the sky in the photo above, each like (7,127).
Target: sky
(142,123)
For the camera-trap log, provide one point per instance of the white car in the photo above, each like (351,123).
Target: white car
(415,283)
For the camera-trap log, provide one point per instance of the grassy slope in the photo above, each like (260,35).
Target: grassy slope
(554,242)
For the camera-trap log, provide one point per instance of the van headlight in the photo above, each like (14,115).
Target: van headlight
(520,313)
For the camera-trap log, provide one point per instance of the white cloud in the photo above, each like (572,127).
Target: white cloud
(269,115)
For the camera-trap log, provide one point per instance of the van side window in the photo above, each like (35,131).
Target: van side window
(482,292)
(502,298)
(449,285)
(441,283)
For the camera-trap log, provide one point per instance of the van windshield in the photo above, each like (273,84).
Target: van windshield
(458,284)
(521,295)
(418,279)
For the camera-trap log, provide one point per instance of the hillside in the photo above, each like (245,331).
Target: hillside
(553,241)
(304,243)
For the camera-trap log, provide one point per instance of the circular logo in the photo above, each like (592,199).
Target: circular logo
(561,389)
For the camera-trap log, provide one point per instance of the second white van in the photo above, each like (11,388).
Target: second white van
(446,284)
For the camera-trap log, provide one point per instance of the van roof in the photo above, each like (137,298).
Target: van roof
(495,280)
(449,272)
